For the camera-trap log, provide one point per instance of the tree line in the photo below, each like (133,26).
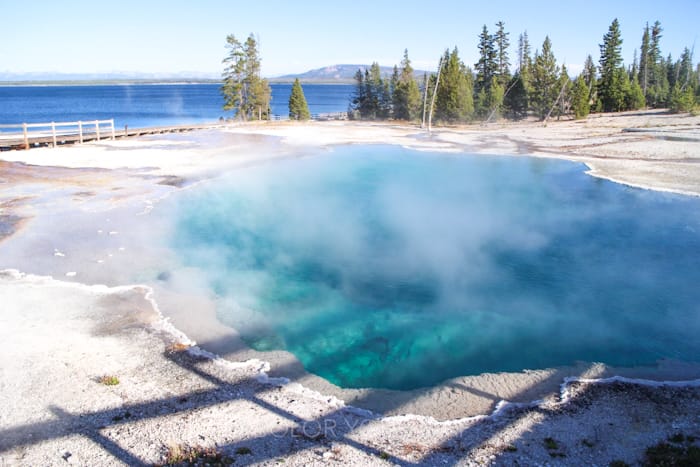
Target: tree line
(539,86)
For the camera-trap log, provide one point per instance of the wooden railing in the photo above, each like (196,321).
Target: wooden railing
(53,132)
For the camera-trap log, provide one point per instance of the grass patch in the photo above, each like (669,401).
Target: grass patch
(184,455)
(551,444)
(384,456)
(108,380)
(511,448)
(677,451)
(553,447)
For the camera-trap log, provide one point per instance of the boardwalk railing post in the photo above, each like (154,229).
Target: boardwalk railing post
(111,122)
(80,132)
(53,133)
(26,136)
(97,129)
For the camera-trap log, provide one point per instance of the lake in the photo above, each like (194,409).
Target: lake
(382,267)
(142,105)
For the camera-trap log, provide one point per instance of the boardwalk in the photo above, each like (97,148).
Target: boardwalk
(31,135)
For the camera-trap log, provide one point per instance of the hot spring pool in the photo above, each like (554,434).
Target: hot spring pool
(382,267)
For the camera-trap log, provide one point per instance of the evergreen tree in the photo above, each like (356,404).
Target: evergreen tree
(658,89)
(681,100)
(406,97)
(373,84)
(635,97)
(645,60)
(234,76)
(372,97)
(259,93)
(524,59)
(298,108)
(589,75)
(454,98)
(516,101)
(580,102)
(244,91)
(685,69)
(565,86)
(359,98)
(671,71)
(502,43)
(610,87)
(589,72)
(545,75)
(395,92)
(519,104)
(486,67)
(495,102)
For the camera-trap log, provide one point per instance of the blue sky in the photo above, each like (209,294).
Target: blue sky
(75,36)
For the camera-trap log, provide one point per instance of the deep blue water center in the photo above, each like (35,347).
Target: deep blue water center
(382,267)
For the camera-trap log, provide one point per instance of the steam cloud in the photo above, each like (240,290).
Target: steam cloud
(382,267)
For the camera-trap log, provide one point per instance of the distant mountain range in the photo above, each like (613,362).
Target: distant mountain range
(112,77)
(334,74)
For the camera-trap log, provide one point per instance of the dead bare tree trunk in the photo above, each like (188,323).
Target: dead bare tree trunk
(432,100)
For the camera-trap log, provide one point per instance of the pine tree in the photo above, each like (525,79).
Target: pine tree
(502,43)
(580,103)
(298,108)
(645,59)
(635,97)
(610,87)
(545,76)
(406,95)
(234,76)
(258,90)
(590,74)
(681,100)
(516,101)
(658,88)
(359,98)
(486,67)
(245,92)
(685,69)
(454,98)
(565,86)
(375,95)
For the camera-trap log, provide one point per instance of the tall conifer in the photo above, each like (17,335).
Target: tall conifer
(298,108)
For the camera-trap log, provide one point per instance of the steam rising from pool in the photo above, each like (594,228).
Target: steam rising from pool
(383,267)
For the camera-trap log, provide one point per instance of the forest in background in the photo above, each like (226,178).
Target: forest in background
(538,87)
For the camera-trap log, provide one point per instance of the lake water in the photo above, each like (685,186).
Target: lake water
(383,267)
(148,105)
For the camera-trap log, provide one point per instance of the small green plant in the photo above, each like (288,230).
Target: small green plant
(242,451)
(185,455)
(511,448)
(384,455)
(551,444)
(108,380)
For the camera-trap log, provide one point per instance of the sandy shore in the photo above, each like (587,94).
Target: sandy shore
(61,333)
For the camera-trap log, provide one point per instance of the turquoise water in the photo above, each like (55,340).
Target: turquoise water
(382,267)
